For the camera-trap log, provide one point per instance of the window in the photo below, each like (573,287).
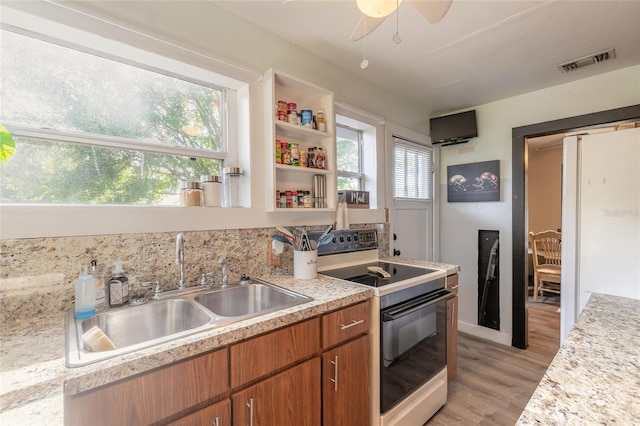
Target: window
(93,128)
(349,158)
(413,170)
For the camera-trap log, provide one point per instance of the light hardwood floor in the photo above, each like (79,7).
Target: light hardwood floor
(495,382)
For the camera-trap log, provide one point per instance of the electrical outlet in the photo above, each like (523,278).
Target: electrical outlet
(272,259)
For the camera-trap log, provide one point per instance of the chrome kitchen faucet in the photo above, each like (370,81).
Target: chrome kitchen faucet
(180,258)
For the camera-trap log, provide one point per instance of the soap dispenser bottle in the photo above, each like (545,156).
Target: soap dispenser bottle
(118,286)
(85,304)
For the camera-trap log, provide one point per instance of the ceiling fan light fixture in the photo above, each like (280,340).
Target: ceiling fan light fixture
(377,8)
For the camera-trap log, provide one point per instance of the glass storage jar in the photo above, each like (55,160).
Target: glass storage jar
(232,186)
(212,190)
(191,194)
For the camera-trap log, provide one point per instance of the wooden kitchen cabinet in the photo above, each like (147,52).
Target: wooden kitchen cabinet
(291,397)
(153,396)
(263,355)
(452,328)
(344,324)
(214,415)
(346,389)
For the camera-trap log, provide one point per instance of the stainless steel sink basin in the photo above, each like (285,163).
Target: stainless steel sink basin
(152,321)
(133,328)
(249,299)
(179,314)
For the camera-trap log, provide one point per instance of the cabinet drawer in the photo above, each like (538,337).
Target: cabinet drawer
(153,396)
(344,324)
(452,283)
(262,355)
(215,415)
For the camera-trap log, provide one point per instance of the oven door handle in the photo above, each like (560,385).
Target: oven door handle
(398,312)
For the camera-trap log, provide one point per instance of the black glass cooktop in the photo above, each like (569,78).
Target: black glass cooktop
(362,275)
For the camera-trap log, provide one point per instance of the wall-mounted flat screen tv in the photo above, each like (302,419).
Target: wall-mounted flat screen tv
(454,128)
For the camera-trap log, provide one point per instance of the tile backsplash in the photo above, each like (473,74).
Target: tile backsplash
(37,275)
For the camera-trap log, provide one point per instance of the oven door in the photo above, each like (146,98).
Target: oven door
(413,345)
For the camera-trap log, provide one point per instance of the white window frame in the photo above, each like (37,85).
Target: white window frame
(28,221)
(420,149)
(359,175)
(373,160)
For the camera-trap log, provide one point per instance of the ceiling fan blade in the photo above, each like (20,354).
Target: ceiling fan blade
(372,24)
(432,10)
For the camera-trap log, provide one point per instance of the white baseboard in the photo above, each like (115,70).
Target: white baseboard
(485,333)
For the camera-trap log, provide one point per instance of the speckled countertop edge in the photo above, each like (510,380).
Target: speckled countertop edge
(595,376)
(450,269)
(32,383)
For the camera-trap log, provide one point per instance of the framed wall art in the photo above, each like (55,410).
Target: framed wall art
(473,182)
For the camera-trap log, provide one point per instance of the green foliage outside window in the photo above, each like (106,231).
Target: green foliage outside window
(53,87)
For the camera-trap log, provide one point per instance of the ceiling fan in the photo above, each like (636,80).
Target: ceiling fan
(374,12)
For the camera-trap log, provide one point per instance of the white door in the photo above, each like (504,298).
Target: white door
(600,220)
(609,232)
(411,197)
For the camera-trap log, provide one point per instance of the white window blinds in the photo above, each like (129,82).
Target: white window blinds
(413,167)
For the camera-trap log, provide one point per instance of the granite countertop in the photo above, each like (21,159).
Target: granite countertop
(34,378)
(595,376)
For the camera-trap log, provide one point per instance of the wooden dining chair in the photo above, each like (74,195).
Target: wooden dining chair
(547,262)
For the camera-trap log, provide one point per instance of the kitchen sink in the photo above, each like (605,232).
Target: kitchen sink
(249,299)
(134,327)
(177,314)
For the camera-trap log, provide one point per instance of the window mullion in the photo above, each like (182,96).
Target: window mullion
(110,142)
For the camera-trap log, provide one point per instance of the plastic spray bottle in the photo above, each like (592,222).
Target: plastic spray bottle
(85,294)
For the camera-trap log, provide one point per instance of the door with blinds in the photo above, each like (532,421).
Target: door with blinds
(411,209)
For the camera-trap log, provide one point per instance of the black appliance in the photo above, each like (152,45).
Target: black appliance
(453,129)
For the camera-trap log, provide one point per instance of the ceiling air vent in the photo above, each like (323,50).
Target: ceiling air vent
(587,60)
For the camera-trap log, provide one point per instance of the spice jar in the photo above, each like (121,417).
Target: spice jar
(322,126)
(191,194)
(212,190)
(232,186)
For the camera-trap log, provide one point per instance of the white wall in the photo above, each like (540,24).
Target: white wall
(460,222)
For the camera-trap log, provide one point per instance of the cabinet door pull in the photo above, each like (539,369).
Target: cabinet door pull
(250,405)
(216,421)
(354,322)
(453,312)
(335,376)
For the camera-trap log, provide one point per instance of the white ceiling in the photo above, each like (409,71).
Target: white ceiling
(479,52)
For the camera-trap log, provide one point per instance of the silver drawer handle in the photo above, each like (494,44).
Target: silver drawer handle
(250,405)
(216,422)
(335,379)
(354,322)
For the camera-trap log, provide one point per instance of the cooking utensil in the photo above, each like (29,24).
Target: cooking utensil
(326,231)
(326,239)
(282,239)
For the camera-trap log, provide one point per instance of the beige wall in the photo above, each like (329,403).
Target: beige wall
(544,174)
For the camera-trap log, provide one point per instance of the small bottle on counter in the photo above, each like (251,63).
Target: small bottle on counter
(118,286)
(85,303)
(98,276)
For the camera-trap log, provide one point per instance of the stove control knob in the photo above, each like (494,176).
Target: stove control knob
(355,238)
(342,239)
(334,240)
(349,238)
